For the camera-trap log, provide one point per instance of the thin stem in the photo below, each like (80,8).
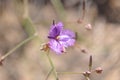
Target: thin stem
(15,48)
(84,8)
(87,78)
(90,63)
(26,11)
(69,72)
(52,65)
(27,22)
(49,74)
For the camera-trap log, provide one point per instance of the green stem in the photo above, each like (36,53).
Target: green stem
(87,78)
(49,74)
(30,30)
(26,8)
(28,26)
(15,48)
(69,72)
(52,65)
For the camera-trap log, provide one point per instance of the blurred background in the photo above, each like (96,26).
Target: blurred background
(29,63)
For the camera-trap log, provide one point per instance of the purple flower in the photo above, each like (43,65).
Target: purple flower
(60,38)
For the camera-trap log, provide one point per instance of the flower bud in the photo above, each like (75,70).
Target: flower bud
(87,73)
(98,70)
(88,27)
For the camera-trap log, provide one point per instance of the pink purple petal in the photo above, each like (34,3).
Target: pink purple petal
(60,38)
(68,42)
(55,30)
(68,32)
(56,46)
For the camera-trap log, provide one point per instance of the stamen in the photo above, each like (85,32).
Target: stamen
(58,37)
(50,37)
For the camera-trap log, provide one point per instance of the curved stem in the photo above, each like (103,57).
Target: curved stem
(52,65)
(15,48)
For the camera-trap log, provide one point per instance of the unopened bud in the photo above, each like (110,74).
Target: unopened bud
(88,27)
(90,62)
(98,70)
(87,73)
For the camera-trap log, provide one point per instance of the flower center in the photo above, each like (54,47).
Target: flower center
(57,37)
